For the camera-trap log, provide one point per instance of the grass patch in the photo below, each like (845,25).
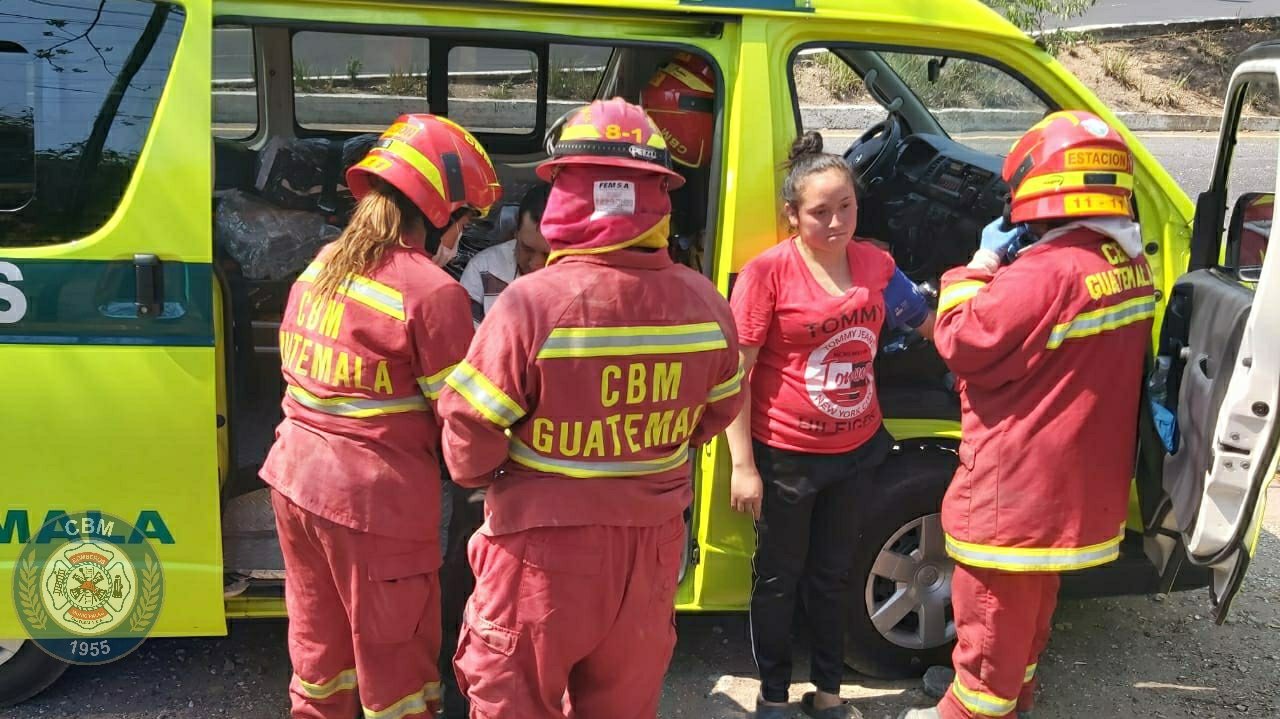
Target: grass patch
(302,81)
(504,90)
(572,83)
(1118,65)
(962,83)
(842,82)
(406,83)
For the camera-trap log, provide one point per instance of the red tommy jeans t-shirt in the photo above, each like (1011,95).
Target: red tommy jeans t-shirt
(812,388)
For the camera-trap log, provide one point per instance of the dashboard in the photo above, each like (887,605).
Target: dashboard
(931,204)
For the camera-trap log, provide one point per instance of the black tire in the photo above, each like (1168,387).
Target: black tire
(907,497)
(27,673)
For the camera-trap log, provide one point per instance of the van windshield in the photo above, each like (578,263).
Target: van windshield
(967,95)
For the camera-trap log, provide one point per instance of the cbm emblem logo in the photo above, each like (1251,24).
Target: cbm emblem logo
(88,596)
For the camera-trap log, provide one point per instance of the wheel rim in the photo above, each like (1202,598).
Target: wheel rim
(908,590)
(8,648)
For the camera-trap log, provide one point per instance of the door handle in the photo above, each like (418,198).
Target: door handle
(148,283)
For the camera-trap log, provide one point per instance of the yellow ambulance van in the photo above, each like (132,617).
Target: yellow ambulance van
(167,167)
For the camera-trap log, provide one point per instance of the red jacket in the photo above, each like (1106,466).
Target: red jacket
(587,385)
(359,444)
(1050,355)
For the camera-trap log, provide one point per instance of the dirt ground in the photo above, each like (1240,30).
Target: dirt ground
(1186,72)
(1183,73)
(1160,657)
(1127,657)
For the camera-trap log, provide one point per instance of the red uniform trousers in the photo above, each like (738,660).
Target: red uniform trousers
(570,622)
(1003,621)
(364,616)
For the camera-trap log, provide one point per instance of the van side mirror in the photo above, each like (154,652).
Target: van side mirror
(1206,231)
(1250,229)
(935,68)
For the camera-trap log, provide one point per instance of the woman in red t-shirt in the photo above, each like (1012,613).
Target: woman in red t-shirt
(809,313)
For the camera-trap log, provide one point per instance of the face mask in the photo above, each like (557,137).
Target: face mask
(445,254)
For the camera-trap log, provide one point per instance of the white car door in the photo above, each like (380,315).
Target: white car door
(1221,343)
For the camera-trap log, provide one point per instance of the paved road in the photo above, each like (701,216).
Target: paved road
(1132,11)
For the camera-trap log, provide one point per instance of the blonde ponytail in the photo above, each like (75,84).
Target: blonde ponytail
(379,221)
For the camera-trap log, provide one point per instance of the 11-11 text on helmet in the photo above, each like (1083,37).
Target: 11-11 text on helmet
(1071,165)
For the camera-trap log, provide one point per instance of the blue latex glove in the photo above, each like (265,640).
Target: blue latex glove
(904,303)
(1002,239)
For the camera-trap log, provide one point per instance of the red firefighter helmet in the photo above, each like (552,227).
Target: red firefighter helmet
(437,164)
(611,133)
(1071,164)
(680,98)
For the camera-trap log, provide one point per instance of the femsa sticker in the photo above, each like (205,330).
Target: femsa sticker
(88,596)
(839,377)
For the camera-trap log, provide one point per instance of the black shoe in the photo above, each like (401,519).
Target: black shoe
(937,680)
(843,710)
(773,711)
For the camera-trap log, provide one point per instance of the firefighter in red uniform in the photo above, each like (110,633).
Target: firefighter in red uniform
(372,328)
(587,386)
(680,98)
(1049,350)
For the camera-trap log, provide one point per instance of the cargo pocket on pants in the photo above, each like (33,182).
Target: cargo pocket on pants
(393,604)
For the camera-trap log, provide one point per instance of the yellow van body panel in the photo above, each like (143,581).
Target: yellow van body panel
(155,442)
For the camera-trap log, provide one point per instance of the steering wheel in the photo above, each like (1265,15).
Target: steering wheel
(871,154)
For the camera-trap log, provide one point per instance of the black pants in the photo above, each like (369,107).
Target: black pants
(804,549)
(456,585)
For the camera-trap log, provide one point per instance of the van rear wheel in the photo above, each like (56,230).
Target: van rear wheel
(900,619)
(25,671)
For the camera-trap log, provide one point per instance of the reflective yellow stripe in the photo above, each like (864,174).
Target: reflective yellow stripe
(522,453)
(580,132)
(957,294)
(1030,674)
(1096,322)
(484,396)
(982,703)
(1064,181)
(357,407)
(431,386)
(416,703)
(693,81)
(626,341)
(726,389)
(368,292)
(1034,559)
(345,681)
(416,160)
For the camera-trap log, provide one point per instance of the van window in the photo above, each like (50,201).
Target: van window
(951,88)
(235,85)
(1251,179)
(493,90)
(354,82)
(91,73)
(576,71)
(17,128)
(969,99)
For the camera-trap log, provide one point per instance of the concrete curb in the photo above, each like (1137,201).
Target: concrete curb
(1133,31)
(238,107)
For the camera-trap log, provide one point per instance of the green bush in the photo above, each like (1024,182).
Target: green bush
(1035,16)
